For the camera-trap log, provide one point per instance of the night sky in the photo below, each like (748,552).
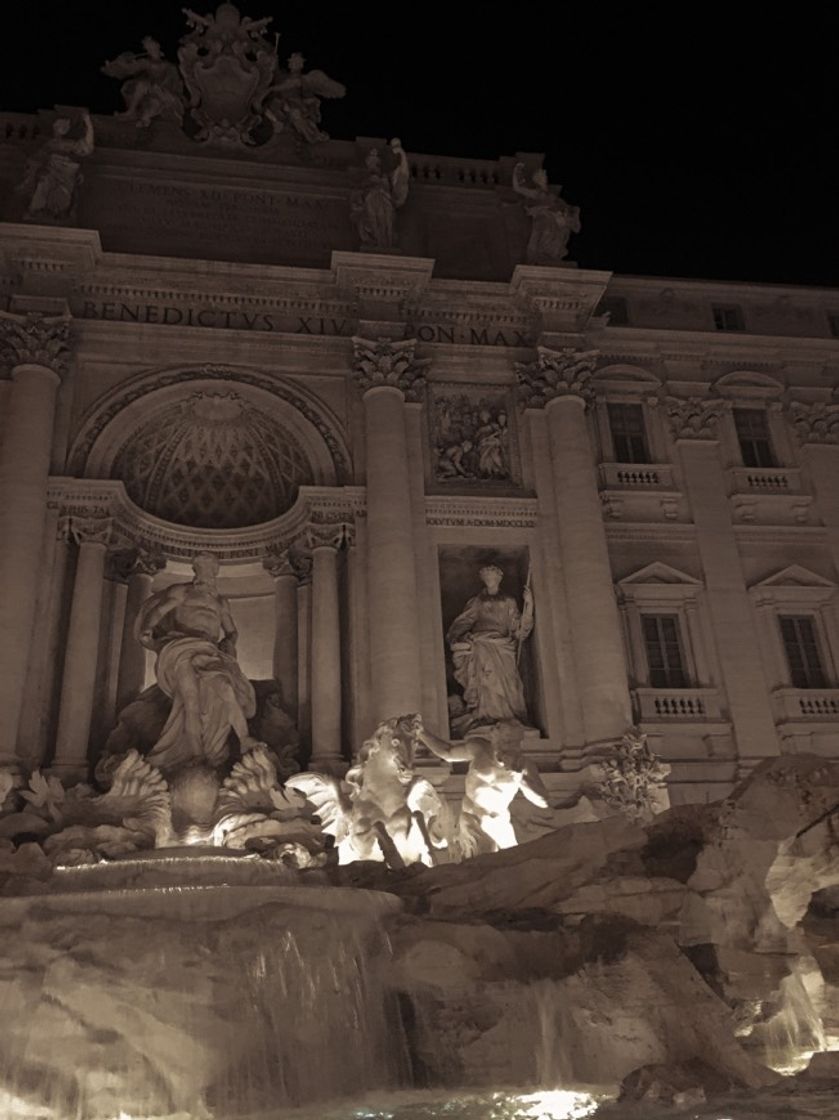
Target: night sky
(698,140)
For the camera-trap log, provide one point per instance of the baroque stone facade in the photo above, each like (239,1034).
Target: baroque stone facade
(356,434)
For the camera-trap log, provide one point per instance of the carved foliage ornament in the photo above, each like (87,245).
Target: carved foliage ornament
(34,339)
(694,417)
(817,422)
(556,373)
(384,362)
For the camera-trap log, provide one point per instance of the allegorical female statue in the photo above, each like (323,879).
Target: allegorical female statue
(553,219)
(485,641)
(373,206)
(54,175)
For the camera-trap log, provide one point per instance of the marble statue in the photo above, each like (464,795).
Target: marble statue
(294,100)
(633,781)
(497,772)
(382,811)
(190,628)
(485,641)
(152,87)
(53,176)
(373,206)
(553,219)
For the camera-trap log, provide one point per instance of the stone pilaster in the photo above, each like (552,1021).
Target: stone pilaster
(817,427)
(279,566)
(92,535)
(694,424)
(388,373)
(140,567)
(324,542)
(559,382)
(35,348)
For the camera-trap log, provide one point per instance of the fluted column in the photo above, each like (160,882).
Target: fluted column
(278,564)
(141,566)
(35,348)
(82,648)
(326,652)
(301,563)
(558,381)
(387,372)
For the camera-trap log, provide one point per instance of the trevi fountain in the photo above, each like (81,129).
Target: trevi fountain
(396,719)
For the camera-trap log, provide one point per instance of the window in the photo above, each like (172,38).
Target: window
(629,438)
(753,434)
(798,633)
(665,658)
(728,317)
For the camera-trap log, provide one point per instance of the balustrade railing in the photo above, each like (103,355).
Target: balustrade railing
(764,480)
(636,476)
(678,703)
(806,703)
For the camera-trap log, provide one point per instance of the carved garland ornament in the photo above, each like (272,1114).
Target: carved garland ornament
(384,362)
(35,339)
(556,373)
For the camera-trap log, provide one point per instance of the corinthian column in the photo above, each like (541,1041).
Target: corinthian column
(140,569)
(82,648)
(558,381)
(326,648)
(36,349)
(279,565)
(387,374)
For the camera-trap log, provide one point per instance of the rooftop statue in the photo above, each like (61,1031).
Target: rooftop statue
(553,219)
(485,641)
(497,772)
(152,87)
(54,175)
(294,100)
(190,628)
(374,204)
(382,810)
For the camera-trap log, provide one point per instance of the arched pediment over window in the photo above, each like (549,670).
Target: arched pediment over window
(621,377)
(749,385)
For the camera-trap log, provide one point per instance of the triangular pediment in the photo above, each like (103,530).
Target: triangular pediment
(658,573)
(794,575)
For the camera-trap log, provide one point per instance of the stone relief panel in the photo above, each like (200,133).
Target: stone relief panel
(471,436)
(488,613)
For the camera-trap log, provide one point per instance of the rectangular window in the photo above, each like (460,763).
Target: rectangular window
(728,317)
(805,664)
(629,437)
(753,433)
(664,651)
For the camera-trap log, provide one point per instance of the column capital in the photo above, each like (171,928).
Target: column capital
(123,563)
(277,562)
(385,362)
(695,418)
(34,339)
(91,530)
(815,421)
(555,374)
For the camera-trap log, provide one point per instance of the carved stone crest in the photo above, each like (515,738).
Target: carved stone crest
(694,417)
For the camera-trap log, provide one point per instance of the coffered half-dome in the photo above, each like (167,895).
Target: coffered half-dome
(213,461)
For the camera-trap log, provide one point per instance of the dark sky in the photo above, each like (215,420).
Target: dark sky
(699,140)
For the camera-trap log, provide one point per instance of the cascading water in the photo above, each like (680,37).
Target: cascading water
(196,999)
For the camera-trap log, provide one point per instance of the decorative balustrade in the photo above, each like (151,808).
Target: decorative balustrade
(677,703)
(764,480)
(806,703)
(467,173)
(21,128)
(636,476)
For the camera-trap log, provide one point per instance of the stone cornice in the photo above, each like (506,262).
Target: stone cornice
(556,373)
(133,528)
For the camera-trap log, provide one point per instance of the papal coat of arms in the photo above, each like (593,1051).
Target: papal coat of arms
(228,87)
